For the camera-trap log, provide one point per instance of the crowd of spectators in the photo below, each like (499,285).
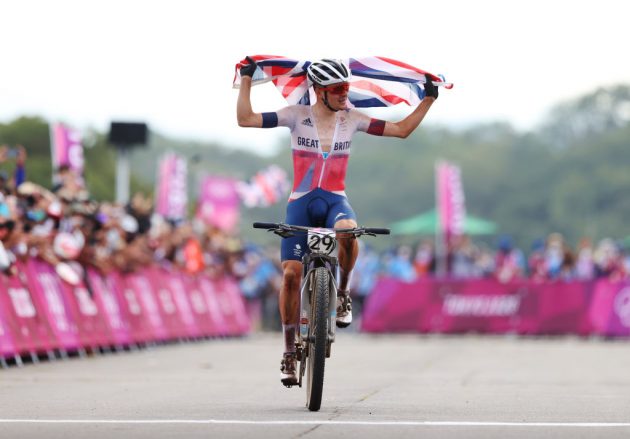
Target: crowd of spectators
(550,259)
(72,232)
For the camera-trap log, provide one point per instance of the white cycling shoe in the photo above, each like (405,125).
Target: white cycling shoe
(288,375)
(344,309)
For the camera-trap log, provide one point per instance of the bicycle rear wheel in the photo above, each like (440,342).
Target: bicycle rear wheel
(318,336)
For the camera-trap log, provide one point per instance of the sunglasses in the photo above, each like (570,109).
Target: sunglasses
(337,89)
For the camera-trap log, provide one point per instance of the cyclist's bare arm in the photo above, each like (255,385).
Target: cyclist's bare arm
(406,126)
(244,113)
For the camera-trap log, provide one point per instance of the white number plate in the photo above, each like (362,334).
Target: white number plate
(322,241)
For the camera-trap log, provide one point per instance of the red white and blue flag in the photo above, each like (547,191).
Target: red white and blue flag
(264,189)
(376,81)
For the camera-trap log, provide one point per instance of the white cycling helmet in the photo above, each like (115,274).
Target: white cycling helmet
(328,71)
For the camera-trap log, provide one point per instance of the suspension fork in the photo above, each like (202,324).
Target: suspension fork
(333,269)
(305,303)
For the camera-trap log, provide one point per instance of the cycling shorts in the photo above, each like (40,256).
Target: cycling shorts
(318,208)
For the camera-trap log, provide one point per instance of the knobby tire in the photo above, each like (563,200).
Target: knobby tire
(319,334)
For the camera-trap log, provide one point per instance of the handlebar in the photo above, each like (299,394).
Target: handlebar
(265,225)
(377,231)
(287,229)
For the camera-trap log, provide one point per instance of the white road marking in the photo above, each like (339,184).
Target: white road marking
(322,422)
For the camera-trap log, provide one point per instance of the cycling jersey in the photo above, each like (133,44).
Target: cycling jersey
(312,168)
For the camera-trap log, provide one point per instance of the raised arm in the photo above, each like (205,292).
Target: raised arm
(244,113)
(406,126)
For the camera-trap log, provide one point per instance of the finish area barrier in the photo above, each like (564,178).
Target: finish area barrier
(599,307)
(39,312)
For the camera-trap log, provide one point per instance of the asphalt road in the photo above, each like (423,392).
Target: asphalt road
(376,386)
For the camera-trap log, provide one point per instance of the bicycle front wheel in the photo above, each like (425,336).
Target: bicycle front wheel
(318,337)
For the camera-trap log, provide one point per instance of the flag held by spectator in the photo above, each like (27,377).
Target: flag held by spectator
(265,188)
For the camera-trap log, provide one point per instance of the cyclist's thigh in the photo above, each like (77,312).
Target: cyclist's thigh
(293,248)
(340,209)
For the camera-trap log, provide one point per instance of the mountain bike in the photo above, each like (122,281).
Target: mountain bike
(318,300)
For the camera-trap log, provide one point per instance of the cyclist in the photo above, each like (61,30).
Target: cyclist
(321,141)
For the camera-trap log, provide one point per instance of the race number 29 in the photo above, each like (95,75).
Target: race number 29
(322,242)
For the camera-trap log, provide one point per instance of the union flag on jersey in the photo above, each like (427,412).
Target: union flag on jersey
(376,81)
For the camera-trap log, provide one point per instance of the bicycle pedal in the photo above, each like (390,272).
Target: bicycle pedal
(289,383)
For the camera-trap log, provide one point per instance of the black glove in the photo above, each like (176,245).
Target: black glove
(249,69)
(430,90)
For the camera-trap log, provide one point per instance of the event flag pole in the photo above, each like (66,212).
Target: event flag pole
(440,254)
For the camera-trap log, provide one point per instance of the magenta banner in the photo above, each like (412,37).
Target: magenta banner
(131,307)
(488,306)
(450,199)
(219,202)
(8,347)
(40,312)
(31,331)
(107,301)
(176,285)
(171,316)
(610,309)
(67,148)
(198,304)
(86,314)
(171,192)
(232,305)
(45,288)
(143,290)
(209,290)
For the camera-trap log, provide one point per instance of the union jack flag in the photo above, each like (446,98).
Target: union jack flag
(376,81)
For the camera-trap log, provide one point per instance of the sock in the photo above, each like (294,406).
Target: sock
(341,273)
(289,338)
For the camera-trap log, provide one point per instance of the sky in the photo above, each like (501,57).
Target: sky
(171,63)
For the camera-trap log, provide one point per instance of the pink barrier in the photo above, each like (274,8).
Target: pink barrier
(172,316)
(154,327)
(487,306)
(131,307)
(610,309)
(40,312)
(109,304)
(8,347)
(176,285)
(29,327)
(87,315)
(232,306)
(209,290)
(46,292)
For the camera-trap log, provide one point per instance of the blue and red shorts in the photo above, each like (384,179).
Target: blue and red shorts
(318,208)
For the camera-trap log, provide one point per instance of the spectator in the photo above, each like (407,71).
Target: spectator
(584,265)
(608,260)
(554,255)
(424,260)
(400,265)
(463,258)
(537,263)
(7,185)
(509,261)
